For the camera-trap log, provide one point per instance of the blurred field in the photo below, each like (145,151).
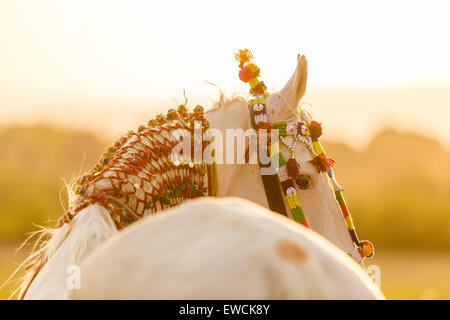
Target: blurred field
(397,188)
(413,274)
(9,261)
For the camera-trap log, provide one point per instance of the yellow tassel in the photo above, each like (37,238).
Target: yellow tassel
(243,56)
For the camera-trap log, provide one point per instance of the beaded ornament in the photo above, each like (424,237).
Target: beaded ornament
(306,132)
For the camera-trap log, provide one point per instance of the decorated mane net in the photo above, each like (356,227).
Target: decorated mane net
(137,175)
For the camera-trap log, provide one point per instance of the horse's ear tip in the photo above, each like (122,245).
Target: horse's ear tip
(301,58)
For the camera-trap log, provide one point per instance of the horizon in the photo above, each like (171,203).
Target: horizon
(335,108)
(62,64)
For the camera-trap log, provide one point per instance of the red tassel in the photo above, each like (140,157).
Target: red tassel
(293,168)
(322,163)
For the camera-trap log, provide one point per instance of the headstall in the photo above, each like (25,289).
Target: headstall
(306,132)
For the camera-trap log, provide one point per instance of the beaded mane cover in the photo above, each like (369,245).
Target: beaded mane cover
(136,175)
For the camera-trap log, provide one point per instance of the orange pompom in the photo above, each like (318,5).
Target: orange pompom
(253,67)
(367,249)
(260,88)
(246,74)
(198,110)
(182,110)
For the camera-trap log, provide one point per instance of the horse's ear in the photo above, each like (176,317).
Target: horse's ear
(295,88)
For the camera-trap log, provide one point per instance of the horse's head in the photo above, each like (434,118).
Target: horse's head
(314,188)
(311,183)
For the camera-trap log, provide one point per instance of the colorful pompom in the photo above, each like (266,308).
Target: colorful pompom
(258,89)
(198,110)
(250,72)
(316,130)
(161,119)
(245,74)
(182,110)
(171,114)
(367,249)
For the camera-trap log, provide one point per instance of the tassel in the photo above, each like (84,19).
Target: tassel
(322,163)
(293,168)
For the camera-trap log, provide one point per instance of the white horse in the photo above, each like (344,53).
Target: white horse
(226,248)
(72,242)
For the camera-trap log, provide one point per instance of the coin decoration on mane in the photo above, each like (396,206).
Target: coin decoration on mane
(136,175)
(307,132)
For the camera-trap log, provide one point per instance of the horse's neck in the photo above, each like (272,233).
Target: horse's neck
(239,180)
(248,184)
(231,115)
(319,205)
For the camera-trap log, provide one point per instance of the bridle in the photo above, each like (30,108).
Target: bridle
(307,132)
(147,152)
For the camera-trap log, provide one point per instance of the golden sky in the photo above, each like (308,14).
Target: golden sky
(112,64)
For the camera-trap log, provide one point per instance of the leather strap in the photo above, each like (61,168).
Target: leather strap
(270,181)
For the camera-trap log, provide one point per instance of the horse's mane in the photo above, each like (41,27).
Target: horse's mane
(223,100)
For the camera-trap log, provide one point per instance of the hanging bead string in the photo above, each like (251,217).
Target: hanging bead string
(365,247)
(290,192)
(258,105)
(298,131)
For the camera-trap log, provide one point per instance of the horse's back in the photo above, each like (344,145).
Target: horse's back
(221,249)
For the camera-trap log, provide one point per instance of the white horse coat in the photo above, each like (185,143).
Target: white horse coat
(226,248)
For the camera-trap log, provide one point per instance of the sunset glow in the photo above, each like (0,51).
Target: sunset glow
(85,150)
(72,61)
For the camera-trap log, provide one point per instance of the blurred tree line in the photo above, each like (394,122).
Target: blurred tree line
(397,187)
